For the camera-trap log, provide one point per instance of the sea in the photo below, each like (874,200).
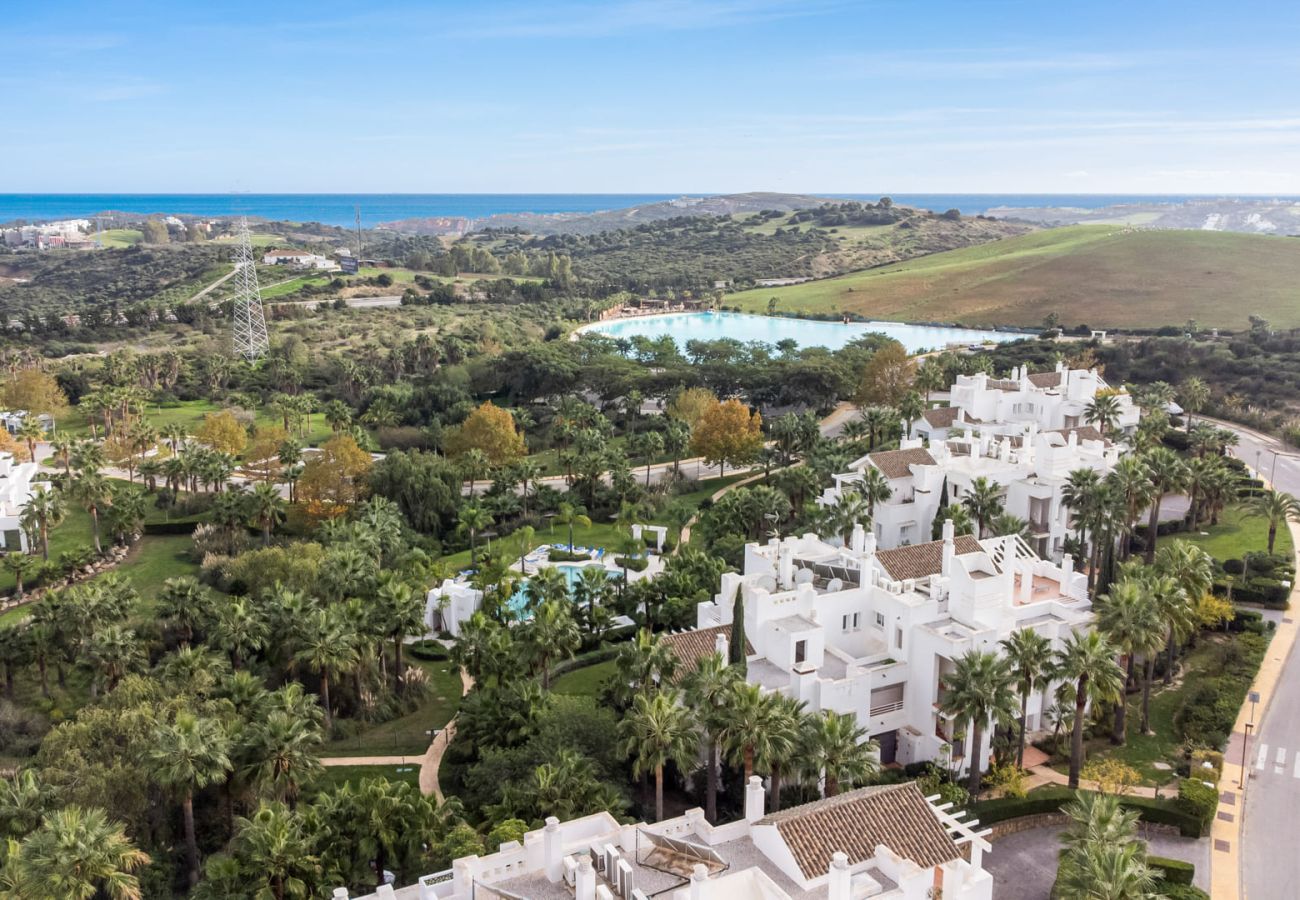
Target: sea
(341,209)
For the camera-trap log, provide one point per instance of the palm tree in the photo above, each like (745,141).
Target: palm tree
(1168,473)
(910,408)
(473,519)
(1277,507)
(656,732)
(1088,660)
(76,854)
(1129,617)
(591,589)
(1029,656)
(874,488)
(1193,393)
(707,688)
(325,647)
(1103,859)
(838,750)
(647,445)
(551,634)
(1133,489)
(113,651)
(529,472)
(979,689)
(30,432)
(281,752)
(879,419)
(645,663)
(789,723)
(241,630)
(569,515)
(274,844)
(930,376)
(849,511)
(475,464)
(677,440)
(1102,411)
(267,508)
(94,492)
(188,755)
(984,502)
(749,715)
(22,566)
(62,446)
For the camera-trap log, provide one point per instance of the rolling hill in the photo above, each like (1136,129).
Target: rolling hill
(1097,275)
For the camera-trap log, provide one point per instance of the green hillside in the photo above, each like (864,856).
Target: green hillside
(1097,275)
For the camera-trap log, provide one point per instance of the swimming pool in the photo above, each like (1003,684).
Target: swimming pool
(710,326)
(518,599)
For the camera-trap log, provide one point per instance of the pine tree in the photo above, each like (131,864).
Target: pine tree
(736,652)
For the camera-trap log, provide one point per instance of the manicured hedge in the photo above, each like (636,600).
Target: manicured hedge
(582,660)
(430,651)
(1047,800)
(565,556)
(181,527)
(1176,871)
(635,563)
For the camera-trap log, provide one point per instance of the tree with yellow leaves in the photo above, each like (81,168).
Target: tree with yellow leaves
(690,404)
(262,457)
(334,479)
(887,378)
(9,445)
(727,432)
(34,391)
(490,429)
(222,431)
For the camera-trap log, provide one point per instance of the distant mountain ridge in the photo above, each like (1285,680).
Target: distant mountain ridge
(610,220)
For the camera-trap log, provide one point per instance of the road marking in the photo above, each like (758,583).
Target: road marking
(1281,761)
(1262,757)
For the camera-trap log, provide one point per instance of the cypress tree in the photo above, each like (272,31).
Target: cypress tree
(736,651)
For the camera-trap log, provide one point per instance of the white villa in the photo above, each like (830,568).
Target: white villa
(300,259)
(873,632)
(887,842)
(1023,434)
(17,485)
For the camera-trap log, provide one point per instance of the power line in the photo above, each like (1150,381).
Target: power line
(249,337)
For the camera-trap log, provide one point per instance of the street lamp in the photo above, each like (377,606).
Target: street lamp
(1254,698)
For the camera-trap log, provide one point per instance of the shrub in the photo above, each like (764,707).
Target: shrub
(566,556)
(1214,759)
(1233,566)
(1181,892)
(430,651)
(1175,871)
(632,563)
(1199,798)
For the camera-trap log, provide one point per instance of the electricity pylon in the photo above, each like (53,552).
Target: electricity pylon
(249,335)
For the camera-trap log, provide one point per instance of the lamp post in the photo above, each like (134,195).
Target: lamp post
(1254,698)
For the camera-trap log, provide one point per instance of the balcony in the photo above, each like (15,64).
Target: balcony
(885,709)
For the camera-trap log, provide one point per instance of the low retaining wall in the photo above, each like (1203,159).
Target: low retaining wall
(1060,820)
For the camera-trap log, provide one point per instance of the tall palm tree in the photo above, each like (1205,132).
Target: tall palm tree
(1131,483)
(984,502)
(267,508)
(281,754)
(836,749)
(749,715)
(475,464)
(275,845)
(94,492)
(62,446)
(1102,411)
(789,722)
(880,420)
(707,689)
(874,488)
(568,514)
(76,854)
(645,663)
(1182,572)
(851,510)
(326,647)
(551,634)
(1129,617)
(1168,473)
(1193,393)
(473,518)
(1029,656)
(241,630)
(188,755)
(1103,858)
(1088,660)
(979,690)
(591,589)
(1277,507)
(112,650)
(22,567)
(31,433)
(658,731)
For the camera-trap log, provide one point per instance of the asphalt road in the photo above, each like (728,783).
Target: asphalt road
(1269,862)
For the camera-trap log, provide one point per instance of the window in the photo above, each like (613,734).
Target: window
(907,533)
(880,620)
(855,621)
(898,638)
(844,624)
(800,651)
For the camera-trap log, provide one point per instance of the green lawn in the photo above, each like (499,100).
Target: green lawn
(585,682)
(406,736)
(1239,531)
(336,776)
(190,413)
(120,237)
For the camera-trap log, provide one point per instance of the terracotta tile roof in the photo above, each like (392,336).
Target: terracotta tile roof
(922,560)
(898,463)
(1046,379)
(1082,433)
(854,823)
(942,417)
(688,646)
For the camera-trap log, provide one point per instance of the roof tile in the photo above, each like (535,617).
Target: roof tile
(922,560)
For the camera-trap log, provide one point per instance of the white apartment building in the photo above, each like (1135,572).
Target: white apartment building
(887,842)
(874,632)
(17,485)
(1050,400)
(300,259)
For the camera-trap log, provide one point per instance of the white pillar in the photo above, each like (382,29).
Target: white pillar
(553,850)
(858,542)
(754,799)
(721,646)
(785,566)
(837,885)
(699,882)
(585,885)
(949,548)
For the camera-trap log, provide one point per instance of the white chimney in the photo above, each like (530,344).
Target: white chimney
(553,850)
(837,885)
(949,548)
(869,544)
(584,887)
(859,539)
(754,799)
(785,567)
(721,646)
(341,893)
(1067,568)
(700,882)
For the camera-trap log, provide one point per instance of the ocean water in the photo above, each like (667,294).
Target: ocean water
(339,209)
(745,327)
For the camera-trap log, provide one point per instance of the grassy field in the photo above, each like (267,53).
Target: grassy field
(190,413)
(336,776)
(584,682)
(1098,275)
(406,736)
(114,238)
(1239,531)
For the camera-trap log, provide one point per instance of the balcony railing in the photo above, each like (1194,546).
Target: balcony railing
(886,708)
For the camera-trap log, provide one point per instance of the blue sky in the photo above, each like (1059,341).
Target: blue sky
(637,95)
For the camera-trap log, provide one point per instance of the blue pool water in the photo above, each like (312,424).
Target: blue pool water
(570,570)
(745,327)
